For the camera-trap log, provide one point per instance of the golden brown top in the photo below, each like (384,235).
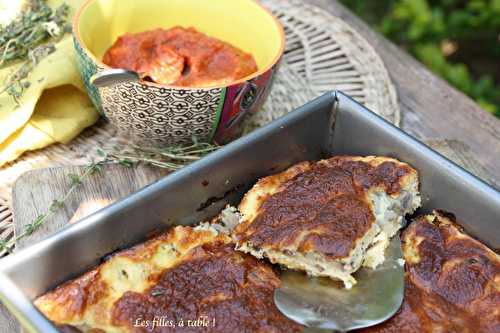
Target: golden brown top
(185,280)
(233,291)
(452,281)
(317,207)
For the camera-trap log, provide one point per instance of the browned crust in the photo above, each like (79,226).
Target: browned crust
(374,171)
(72,298)
(209,277)
(320,207)
(452,281)
(234,290)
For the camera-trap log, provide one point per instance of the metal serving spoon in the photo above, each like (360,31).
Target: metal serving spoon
(113,76)
(321,303)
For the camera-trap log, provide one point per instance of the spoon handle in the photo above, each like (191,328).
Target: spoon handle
(113,76)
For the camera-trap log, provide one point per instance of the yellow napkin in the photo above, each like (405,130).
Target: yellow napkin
(60,115)
(44,115)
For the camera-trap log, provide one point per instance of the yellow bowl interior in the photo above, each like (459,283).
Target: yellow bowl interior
(243,23)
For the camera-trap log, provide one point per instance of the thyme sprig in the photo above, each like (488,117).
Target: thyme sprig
(35,26)
(16,83)
(6,246)
(30,38)
(171,158)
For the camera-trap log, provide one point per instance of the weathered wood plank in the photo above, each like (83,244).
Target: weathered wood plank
(35,190)
(8,324)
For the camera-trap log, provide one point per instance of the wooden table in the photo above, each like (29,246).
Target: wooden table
(430,108)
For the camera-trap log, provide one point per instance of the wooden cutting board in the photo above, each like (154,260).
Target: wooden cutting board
(35,190)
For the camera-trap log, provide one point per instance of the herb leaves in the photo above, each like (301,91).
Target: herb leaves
(28,39)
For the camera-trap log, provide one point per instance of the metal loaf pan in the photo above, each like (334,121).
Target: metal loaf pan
(331,124)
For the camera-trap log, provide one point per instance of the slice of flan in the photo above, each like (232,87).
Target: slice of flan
(452,281)
(328,217)
(185,280)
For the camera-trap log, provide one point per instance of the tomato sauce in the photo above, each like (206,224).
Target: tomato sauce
(180,57)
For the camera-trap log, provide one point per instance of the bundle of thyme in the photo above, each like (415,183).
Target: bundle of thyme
(171,158)
(28,39)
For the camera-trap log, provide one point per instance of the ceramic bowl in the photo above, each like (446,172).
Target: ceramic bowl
(162,114)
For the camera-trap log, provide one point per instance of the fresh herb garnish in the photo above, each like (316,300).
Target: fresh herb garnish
(28,39)
(172,158)
(156,293)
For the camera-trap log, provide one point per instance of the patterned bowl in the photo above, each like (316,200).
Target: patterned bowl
(163,115)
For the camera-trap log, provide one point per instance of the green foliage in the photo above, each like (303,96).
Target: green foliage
(457,39)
